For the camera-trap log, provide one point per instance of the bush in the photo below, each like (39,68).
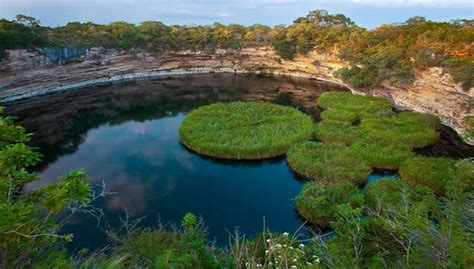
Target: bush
(318,202)
(362,106)
(244,130)
(336,133)
(382,157)
(339,116)
(435,173)
(328,162)
(285,48)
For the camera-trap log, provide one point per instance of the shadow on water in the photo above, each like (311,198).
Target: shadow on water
(127,136)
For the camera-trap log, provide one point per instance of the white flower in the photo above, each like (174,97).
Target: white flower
(266,251)
(284,246)
(278,245)
(290,247)
(285,234)
(293,267)
(308,263)
(317,260)
(295,260)
(259,265)
(314,256)
(268,240)
(301,245)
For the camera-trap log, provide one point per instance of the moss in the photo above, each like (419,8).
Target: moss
(435,173)
(318,202)
(362,106)
(244,130)
(339,116)
(382,157)
(337,133)
(328,162)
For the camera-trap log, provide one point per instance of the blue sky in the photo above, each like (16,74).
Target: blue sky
(366,13)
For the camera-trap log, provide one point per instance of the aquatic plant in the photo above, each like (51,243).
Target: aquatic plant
(339,116)
(328,162)
(337,133)
(408,128)
(318,202)
(362,106)
(382,157)
(244,130)
(437,173)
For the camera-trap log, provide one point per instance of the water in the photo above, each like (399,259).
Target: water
(126,135)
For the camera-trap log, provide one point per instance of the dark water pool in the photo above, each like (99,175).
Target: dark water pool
(127,136)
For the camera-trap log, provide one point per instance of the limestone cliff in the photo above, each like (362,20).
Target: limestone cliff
(29,73)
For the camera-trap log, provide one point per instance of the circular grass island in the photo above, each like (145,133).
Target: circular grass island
(318,202)
(328,163)
(244,130)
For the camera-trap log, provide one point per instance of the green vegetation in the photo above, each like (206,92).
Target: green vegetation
(28,231)
(362,106)
(318,202)
(336,133)
(327,162)
(407,128)
(339,116)
(382,157)
(391,53)
(437,173)
(244,130)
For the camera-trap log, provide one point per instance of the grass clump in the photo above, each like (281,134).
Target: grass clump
(408,128)
(318,202)
(328,162)
(389,194)
(336,133)
(360,105)
(382,157)
(339,116)
(438,173)
(244,130)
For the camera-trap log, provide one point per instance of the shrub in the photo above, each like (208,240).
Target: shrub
(244,130)
(387,194)
(318,202)
(435,173)
(328,162)
(285,48)
(362,106)
(339,116)
(382,157)
(337,133)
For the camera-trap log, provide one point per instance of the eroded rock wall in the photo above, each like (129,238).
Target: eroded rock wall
(36,72)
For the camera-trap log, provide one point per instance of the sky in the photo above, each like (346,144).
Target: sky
(366,13)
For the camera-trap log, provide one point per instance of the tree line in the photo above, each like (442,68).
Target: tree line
(389,52)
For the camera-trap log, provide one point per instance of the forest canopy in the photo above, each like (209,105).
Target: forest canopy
(389,52)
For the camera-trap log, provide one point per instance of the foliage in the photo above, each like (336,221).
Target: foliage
(407,128)
(362,106)
(336,133)
(438,173)
(318,202)
(244,130)
(382,157)
(28,232)
(340,116)
(327,162)
(187,247)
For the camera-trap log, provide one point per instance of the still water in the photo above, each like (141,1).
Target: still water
(126,135)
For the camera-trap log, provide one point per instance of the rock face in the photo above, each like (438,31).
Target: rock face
(28,73)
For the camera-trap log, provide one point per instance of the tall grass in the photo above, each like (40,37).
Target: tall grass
(318,202)
(244,130)
(328,162)
(336,133)
(360,105)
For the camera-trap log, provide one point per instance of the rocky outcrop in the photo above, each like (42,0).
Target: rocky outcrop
(37,72)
